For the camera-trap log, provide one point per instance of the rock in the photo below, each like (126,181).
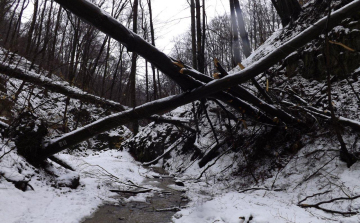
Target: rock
(179,183)
(111,139)
(5,107)
(71,180)
(151,142)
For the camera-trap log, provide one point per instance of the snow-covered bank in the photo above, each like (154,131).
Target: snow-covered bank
(99,172)
(315,170)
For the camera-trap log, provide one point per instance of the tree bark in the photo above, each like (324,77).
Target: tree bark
(288,10)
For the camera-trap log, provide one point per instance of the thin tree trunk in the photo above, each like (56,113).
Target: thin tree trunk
(159,84)
(38,38)
(119,63)
(132,77)
(16,31)
(198,34)
(235,40)
(202,54)
(46,37)
(193,34)
(11,21)
(153,43)
(146,81)
(52,52)
(246,47)
(241,25)
(105,69)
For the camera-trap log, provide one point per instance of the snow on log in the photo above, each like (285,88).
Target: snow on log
(61,87)
(64,88)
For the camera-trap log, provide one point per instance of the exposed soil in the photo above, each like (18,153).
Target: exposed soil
(144,212)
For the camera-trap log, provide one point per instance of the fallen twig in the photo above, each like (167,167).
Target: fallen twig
(259,188)
(314,173)
(317,194)
(212,164)
(131,192)
(168,209)
(317,205)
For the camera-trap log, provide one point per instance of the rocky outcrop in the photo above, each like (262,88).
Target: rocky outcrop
(151,141)
(309,61)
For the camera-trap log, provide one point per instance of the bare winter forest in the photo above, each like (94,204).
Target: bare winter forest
(253,116)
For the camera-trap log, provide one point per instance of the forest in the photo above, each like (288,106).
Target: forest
(252,116)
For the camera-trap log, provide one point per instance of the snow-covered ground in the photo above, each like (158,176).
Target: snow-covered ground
(99,172)
(315,170)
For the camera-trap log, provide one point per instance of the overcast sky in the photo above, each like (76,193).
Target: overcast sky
(172,18)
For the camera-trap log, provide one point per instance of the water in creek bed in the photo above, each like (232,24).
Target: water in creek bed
(141,212)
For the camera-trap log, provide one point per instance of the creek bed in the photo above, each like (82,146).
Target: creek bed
(144,212)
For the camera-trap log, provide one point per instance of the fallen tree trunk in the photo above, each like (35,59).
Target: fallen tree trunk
(243,94)
(64,88)
(162,105)
(95,16)
(61,87)
(319,113)
(62,163)
(213,152)
(110,26)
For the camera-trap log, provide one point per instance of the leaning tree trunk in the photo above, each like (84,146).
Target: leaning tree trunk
(107,24)
(246,47)
(242,30)
(235,35)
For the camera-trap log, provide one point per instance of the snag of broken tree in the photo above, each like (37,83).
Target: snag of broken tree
(90,11)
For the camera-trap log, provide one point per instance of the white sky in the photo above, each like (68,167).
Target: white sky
(172,18)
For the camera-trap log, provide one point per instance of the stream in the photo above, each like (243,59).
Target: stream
(144,212)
